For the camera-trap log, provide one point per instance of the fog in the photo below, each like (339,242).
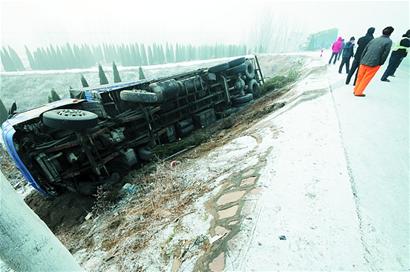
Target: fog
(42,22)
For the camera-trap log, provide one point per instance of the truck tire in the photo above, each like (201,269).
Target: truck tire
(236,62)
(239,101)
(69,119)
(250,70)
(218,68)
(186,130)
(239,69)
(145,154)
(253,88)
(184,123)
(118,166)
(139,96)
(229,111)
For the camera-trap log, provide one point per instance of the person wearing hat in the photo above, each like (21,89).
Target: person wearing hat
(361,45)
(346,55)
(374,56)
(397,56)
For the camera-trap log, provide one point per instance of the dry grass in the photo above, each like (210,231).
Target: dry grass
(162,198)
(102,202)
(165,196)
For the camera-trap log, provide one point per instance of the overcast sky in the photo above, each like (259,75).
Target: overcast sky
(41,22)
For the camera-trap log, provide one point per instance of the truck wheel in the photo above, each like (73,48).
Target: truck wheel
(218,68)
(184,123)
(186,130)
(229,111)
(236,62)
(70,119)
(239,69)
(145,154)
(253,88)
(139,96)
(250,70)
(118,166)
(238,101)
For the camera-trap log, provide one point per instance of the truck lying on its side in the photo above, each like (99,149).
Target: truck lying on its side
(95,137)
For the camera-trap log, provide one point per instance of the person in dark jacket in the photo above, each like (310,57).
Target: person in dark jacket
(361,45)
(346,55)
(340,52)
(396,57)
(374,56)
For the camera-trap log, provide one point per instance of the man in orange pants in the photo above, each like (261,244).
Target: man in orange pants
(365,74)
(373,56)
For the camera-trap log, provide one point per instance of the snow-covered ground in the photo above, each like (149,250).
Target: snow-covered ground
(335,188)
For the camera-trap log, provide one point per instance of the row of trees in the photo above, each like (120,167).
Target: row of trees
(70,56)
(53,95)
(116,75)
(10,60)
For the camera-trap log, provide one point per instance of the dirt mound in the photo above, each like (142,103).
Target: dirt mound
(62,212)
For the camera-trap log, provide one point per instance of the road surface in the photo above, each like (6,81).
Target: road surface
(375,134)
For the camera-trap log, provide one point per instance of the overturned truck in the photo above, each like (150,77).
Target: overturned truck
(95,137)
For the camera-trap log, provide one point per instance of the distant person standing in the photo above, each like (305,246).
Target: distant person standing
(361,45)
(347,53)
(340,52)
(336,48)
(397,55)
(374,56)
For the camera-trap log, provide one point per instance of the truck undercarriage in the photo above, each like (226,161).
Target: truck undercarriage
(96,141)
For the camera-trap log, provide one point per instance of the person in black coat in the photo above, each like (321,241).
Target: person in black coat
(340,52)
(396,57)
(346,55)
(361,43)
